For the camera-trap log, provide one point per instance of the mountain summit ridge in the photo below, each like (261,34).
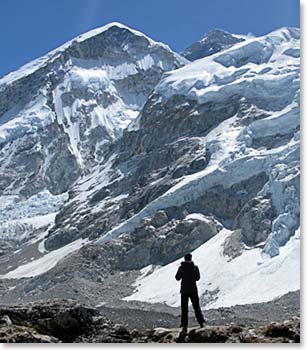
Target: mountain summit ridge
(87,91)
(37,63)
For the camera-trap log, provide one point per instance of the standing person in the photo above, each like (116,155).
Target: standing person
(188,273)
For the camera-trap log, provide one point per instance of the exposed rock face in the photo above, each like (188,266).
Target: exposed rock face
(5,247)
(255,220)
(215,41)
(159,219)
(147,245)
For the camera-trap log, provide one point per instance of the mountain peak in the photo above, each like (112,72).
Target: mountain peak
(113,34)
(216,31)
(214,41)
(92,86)
(107,27)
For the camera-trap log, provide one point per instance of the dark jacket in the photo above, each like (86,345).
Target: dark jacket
(188,273)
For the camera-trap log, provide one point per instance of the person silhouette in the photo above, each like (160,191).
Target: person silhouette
(189,274)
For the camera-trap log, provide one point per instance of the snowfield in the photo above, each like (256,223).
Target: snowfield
(45,263)
(252,277)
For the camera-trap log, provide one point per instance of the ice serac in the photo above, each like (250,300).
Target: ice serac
(217,136)
(214,41)
(247,121)
(59,113)
(210,165)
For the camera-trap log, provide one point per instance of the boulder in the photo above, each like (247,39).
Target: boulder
(287,329)
(209,335)
(184,237)
(5,321)
(5,247)
(159,219)
(160,332)
(22,334)
(61,319)
(255,220)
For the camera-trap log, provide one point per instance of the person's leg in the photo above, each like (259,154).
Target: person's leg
(184,310)
(197,310)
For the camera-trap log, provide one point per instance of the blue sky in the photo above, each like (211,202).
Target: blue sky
(31,28)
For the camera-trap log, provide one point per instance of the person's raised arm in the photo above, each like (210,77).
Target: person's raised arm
(179,274)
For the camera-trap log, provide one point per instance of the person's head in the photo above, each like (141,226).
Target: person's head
(188,257)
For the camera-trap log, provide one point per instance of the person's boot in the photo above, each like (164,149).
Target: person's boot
(182,335)
(184,330)
(203,323)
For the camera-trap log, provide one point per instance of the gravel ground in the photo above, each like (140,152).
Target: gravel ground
(109,293)
(254,314)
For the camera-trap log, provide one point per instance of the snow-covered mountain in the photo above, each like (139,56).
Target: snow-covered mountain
(214,41)
(60,112)
(209,164)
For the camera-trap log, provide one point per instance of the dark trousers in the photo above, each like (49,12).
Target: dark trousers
(185,308)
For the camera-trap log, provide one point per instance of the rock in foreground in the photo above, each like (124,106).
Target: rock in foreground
(276,332)
(68,321)
(57,321)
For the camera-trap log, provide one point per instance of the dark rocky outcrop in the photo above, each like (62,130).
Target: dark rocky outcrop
(68,321)
(21,334)
(255,220)
(57,321)
(214,41)
(61,319)
(278,332)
